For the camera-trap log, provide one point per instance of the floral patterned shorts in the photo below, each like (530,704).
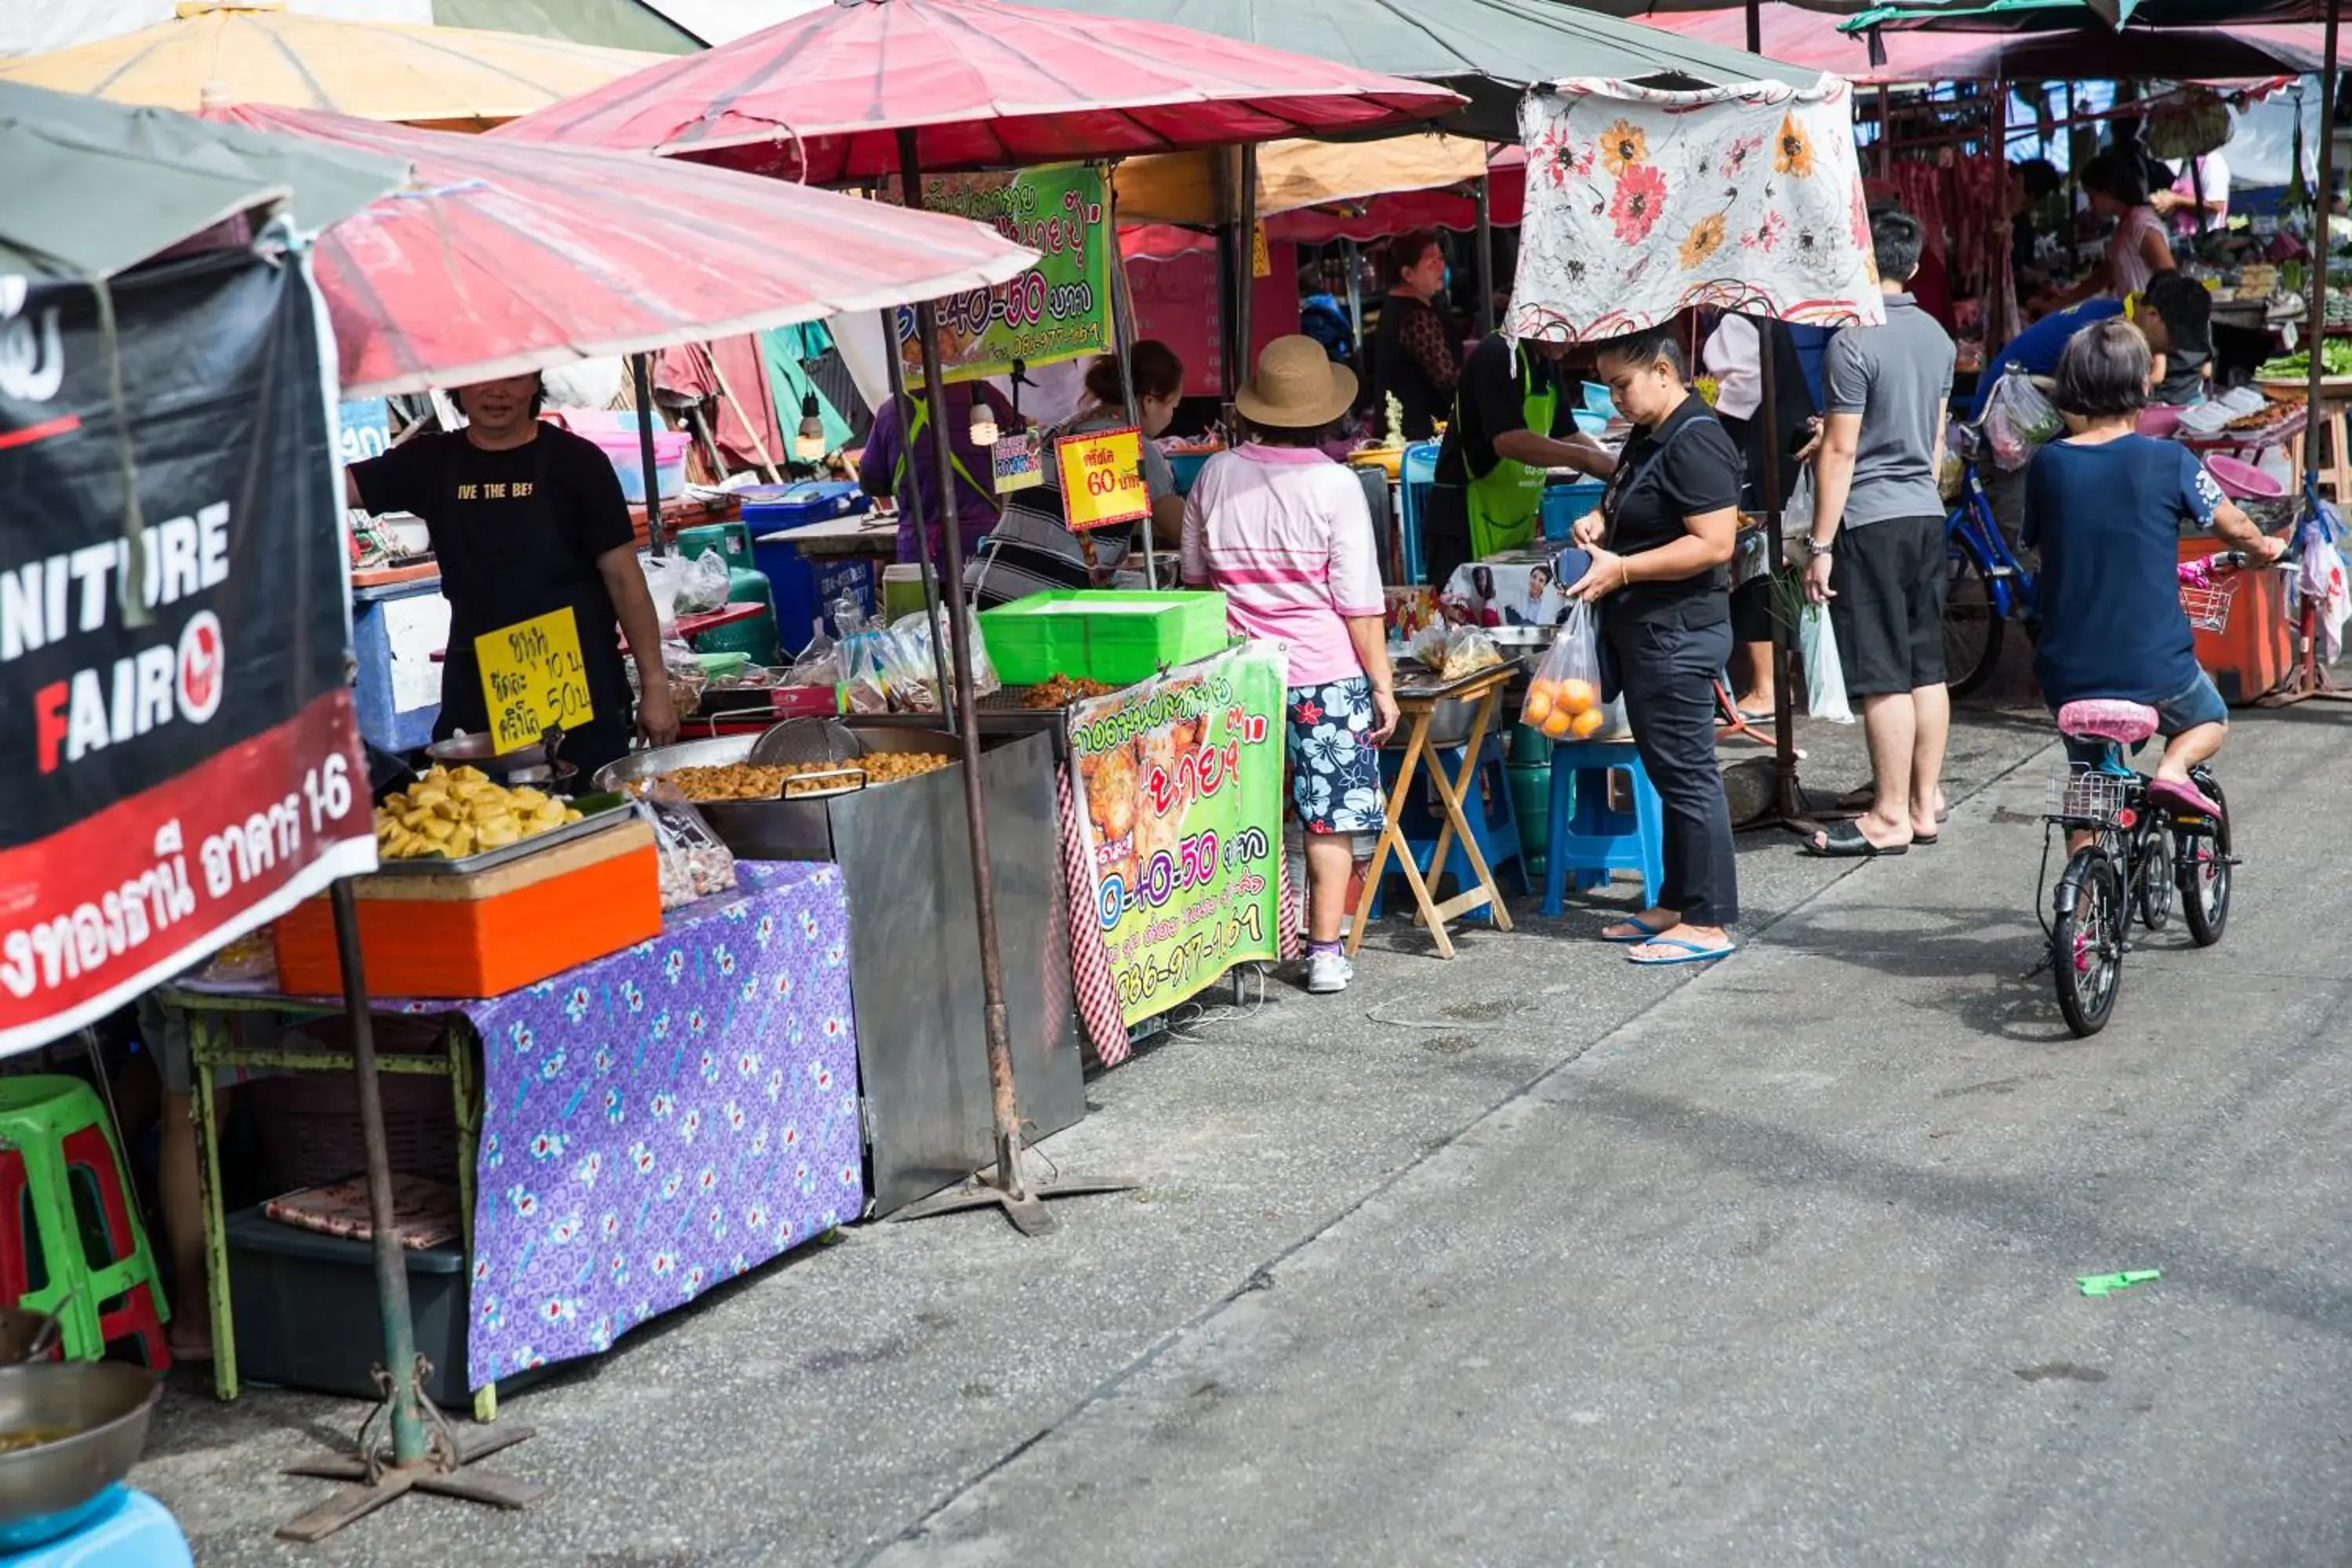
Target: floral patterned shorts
(1335,773)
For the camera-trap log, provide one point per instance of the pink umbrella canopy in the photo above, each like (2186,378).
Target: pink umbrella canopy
(984,84)
(502,257)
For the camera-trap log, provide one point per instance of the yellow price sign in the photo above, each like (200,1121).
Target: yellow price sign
(1102,478)
(532,677)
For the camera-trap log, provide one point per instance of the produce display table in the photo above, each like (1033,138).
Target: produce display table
(1418,705)
(630,1132)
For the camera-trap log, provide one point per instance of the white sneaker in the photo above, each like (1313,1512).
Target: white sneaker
(1328,973)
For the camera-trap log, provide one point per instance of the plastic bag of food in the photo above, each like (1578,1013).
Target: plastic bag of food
(695,863)
(1563,697)
(1825,695)
(819,663)
(1455,652)
(686,679)
(2018,420)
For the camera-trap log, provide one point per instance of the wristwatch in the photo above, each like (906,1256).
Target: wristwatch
(1817,548)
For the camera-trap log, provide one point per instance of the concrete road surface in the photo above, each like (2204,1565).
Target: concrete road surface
(1535,1259)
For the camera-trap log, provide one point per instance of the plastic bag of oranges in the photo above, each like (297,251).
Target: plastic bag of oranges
(1563,697)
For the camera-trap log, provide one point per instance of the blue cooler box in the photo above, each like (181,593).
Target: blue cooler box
(1564,503)
(804,585)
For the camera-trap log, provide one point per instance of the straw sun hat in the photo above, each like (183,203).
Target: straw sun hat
(1296,387)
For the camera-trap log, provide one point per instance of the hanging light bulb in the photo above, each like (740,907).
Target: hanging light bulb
(809,443)
(983,422)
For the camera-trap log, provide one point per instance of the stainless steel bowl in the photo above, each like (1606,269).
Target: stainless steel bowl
(104,1405)
(25,1336)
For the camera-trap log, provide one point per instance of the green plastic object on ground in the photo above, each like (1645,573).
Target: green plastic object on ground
(77,1262)
(2105,1284)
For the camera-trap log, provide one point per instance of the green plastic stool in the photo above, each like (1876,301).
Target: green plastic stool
(96,1273)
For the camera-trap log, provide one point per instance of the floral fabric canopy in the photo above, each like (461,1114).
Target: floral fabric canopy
(1643,203)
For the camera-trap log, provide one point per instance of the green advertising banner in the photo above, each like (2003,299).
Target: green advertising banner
(1059,308)
(1180,789)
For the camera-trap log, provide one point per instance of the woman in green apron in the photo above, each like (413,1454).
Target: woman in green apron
(1513,421)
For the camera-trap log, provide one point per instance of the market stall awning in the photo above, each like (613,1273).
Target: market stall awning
(501,258)
(265,54)
(1184,188)
(1815,39)
(2049,15)
(96,187)
(1487,50)
(981,83)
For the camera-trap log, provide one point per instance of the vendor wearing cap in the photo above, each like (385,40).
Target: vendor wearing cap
(1513,421)
(528,520)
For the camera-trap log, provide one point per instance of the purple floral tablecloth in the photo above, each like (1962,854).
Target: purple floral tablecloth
(664,1118)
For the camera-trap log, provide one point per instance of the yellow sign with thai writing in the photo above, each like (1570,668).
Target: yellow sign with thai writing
(533,676)
(1102,478)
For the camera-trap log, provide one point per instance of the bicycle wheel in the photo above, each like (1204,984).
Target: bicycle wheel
(2152,863)
(2202,865)
(1973,623)
(2086,941)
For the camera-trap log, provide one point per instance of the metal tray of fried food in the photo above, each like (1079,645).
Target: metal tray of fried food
(598,811)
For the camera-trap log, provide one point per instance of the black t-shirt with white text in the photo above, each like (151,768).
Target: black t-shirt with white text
(517,533)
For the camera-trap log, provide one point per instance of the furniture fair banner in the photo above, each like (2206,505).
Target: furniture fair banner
(1058,309)
(1643,203)
(178,748)
(1180,790)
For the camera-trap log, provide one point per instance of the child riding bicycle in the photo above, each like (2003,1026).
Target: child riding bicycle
(2104,504)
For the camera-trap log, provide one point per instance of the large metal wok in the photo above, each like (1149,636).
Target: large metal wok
(798,828)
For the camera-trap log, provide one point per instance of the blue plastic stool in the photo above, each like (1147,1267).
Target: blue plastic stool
(119,1528)
(1486,802)
(1590,839)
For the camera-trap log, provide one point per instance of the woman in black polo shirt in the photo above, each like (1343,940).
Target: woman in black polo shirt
(1660,543)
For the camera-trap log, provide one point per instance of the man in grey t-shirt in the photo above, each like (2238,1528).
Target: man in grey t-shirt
(1876,551)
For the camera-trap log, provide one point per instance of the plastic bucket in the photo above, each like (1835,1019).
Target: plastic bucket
(2240,480)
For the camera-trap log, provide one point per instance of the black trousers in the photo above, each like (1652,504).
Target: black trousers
(1444,534)
(1668,673)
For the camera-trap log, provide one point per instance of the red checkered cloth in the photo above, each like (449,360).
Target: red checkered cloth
(1099,1019)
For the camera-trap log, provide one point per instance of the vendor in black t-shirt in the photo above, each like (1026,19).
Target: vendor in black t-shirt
(1660,543)
(528,520)
(1514,420)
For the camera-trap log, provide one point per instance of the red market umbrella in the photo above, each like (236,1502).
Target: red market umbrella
(981,84)
(502,257)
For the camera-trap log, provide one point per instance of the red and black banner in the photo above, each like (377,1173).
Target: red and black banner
(179,752)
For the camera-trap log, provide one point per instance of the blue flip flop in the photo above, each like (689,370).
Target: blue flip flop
(1692,953)
(1644,932)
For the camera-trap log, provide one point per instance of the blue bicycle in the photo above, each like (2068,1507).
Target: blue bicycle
(1989,586)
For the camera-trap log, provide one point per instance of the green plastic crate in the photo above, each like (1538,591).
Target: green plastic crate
(1114,635)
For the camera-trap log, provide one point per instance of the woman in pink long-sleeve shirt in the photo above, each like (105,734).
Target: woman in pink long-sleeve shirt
(1284,533)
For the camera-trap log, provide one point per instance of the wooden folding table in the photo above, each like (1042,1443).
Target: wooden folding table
(1418,705)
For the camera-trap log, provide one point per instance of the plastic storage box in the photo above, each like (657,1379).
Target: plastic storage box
(627,454)
(1118,636)
(804,585)
(306,1312)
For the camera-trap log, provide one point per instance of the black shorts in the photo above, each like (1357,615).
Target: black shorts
(1889,579)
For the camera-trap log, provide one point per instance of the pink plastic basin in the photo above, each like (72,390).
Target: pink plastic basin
(2240,480)
(2159,420)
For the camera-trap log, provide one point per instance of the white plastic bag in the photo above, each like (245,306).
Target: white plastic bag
(704,585)
(1824,675)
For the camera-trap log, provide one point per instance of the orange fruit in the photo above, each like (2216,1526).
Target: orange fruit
(1538,707)
(1577,696)
(1557,726)
(1587,723)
